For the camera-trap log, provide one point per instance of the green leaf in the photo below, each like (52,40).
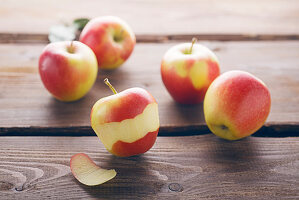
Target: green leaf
(80,23)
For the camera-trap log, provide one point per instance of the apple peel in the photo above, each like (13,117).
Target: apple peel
(87,172)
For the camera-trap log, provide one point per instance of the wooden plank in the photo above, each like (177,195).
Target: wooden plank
(195,167)
(158,17)
(29,38)
(27,108)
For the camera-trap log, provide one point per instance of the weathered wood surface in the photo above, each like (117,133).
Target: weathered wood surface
(29,38)
(27,108)
(158,17)
(191,167)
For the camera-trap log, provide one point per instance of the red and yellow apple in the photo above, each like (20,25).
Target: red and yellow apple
(127,123)
(68,70)
(236,105)
(111,39)
(187,71)
(87,172)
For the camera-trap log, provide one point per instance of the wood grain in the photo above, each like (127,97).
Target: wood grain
(158,17)
(193,167)
(27,108)
(29,38)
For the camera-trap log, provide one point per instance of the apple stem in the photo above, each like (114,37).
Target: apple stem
(71,48)
(193,42)
(106,81)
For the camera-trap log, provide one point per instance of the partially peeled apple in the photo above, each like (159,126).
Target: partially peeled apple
(127,123)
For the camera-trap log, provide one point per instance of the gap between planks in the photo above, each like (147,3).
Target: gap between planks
(268,130)
(6,38)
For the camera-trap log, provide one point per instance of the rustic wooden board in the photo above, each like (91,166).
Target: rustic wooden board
(191,167)
(29,38)
(158,17)
(27,108)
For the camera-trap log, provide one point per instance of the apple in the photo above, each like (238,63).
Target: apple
(187,71)
(236,105)
(87,172)
(127,123)
(68,69)
(111,39)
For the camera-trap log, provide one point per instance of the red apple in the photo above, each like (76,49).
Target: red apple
(187,71)
(127,123)
(236,105)
(111,39)
(87,172)
(68,70)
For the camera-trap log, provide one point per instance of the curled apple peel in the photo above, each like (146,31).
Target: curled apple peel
(87,172)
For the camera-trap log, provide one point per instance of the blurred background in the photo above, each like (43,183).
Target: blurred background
(157,16)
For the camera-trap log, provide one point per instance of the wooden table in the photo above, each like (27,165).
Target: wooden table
(39,134)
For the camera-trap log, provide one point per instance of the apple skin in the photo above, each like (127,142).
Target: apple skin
(188,76)
(111,39)
(68,69)
(127,123)
(236,105)
(87,172)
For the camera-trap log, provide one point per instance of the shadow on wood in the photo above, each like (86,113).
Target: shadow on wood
(134,177)
(236,156)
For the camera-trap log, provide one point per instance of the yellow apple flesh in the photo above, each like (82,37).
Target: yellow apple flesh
(87,172)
